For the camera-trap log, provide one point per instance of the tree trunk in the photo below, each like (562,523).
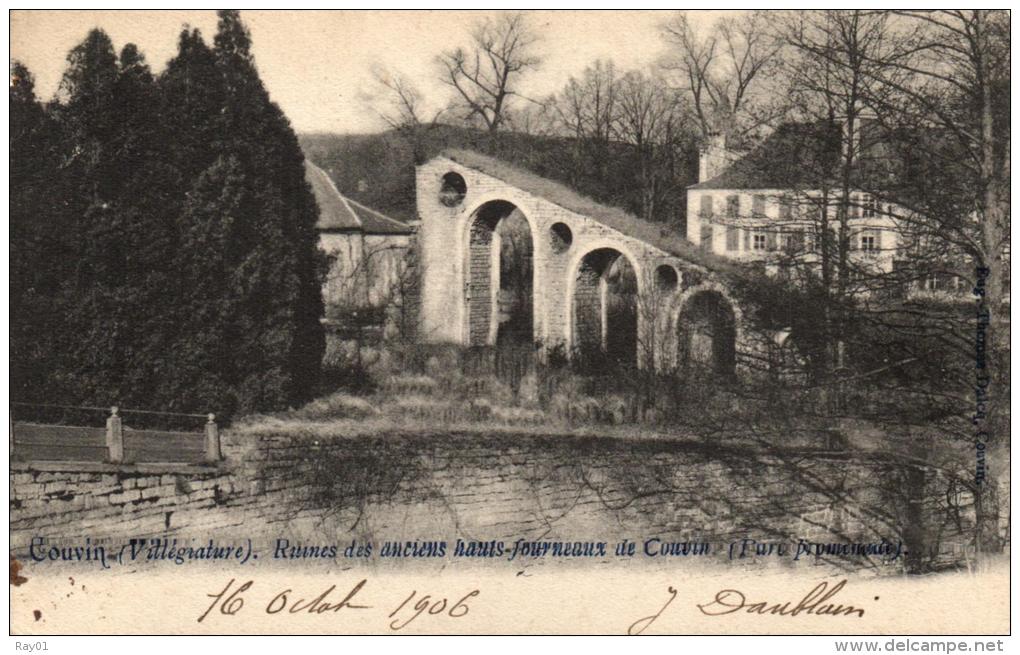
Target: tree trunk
(986,506)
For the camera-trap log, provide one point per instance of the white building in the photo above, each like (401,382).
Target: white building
(369,251)
(764,205)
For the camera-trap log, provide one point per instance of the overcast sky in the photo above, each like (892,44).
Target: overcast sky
(317,64)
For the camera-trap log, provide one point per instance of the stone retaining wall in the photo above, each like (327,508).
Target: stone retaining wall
(421,486)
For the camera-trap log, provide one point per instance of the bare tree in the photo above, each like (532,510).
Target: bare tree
(957,86)
(631,126)
(585,111)
(834,56)
(486,74)
(587,107)
(653,120)
(928,85)
(534,119)
(723,73)
(400,103)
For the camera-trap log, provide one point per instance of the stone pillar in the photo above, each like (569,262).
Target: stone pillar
(115,437)
(479,284)
(212,440)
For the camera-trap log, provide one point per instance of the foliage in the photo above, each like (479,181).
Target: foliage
(378,169)
(164,234)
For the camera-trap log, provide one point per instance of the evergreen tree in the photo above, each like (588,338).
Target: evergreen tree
(243,291)
(87,342)
(144,216)
(29,171)
(37,263)
(251,334)
(88,119)
(166,252)
(268,152)
(192,99)
(120,194)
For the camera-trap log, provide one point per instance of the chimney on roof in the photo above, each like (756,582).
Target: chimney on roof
(714,157)
(865,124)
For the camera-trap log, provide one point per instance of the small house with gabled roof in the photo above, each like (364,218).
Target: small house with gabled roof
(369,252)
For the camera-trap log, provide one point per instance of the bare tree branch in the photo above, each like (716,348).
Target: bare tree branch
(485,76)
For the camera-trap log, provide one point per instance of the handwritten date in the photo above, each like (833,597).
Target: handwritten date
(231,600)
(433,606)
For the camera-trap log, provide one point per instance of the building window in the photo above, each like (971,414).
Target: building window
(793,241)
(732,206)
(870,205)
(869,242)
(854,210)
(706,205)
(758,205)
(787,210)
(706,235)
(732,238)
(940,281)
(758,241)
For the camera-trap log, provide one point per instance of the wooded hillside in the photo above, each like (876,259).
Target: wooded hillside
(378,169)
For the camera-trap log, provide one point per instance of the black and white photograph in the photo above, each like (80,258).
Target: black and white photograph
(537,322)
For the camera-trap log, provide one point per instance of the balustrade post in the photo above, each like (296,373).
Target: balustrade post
(212,440)
(115,437)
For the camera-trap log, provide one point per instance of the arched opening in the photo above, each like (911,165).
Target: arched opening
(500,280)
(666,278)
(560,237)
(707,334)
(605,308)
(453,189)
(789,364)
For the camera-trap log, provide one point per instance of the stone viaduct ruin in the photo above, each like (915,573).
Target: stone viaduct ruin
(508,254)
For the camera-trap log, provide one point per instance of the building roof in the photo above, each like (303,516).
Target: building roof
(373,222)
(654,234)
(338,213)
(795,156)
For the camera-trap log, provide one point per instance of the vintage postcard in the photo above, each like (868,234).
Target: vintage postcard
(511,322)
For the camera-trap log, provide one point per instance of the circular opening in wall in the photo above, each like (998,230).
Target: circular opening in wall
(560,237)
(452,192)
(666,278)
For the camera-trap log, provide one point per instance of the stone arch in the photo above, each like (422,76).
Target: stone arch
(499,273)
(603,299)
(706,329)
(789,362)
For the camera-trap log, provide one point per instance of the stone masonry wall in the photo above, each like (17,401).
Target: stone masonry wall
(449,263)
(70,500)
(477,486)
(480,280)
